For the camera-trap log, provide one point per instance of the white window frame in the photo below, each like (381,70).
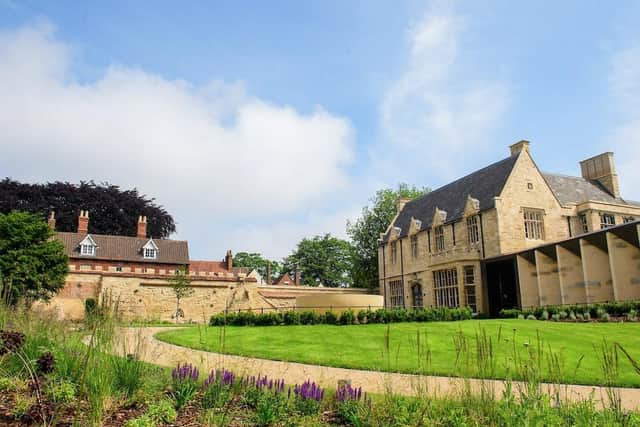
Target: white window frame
(470,297)
(439,238)
(150,250)
(414,246)
(396,294)
(533,224)
(394,252)
(445,288)
(88,246)
(607,220)
(473,229)
(584,222)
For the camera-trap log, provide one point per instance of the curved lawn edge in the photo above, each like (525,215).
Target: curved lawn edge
(171,337)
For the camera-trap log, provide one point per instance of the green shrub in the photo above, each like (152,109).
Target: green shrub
(604,317)
(600,312)
(61,391)
(347,317)
(22,405)
(270,408)
(330,318)
(143,421)
(544,315)
(531,317)
(309,318)
(520,316)
(7,384)
(162,412)
(90,308)
(291,318)
(128,374)
(563,315)
(362,316)
(555,317)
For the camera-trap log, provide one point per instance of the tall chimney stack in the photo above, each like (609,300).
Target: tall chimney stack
(142,227)
(297,279)
(83,222)
(229,260)
(52,220)
(601,168)
(268,272)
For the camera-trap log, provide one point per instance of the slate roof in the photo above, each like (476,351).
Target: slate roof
(125,248)
(484,185)
(573,189)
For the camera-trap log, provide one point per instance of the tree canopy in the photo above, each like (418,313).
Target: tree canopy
(255,261)
(365,231)
(325,260)
(32,265)
(111,209)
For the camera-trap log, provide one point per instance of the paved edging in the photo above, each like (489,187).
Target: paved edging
(158,352)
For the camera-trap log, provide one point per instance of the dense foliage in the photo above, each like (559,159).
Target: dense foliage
(255,261)
(323,260)
(596,310)
(365,231)
(32,266)
(111,210)
(347,317)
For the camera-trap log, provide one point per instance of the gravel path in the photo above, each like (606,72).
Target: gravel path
(161,353)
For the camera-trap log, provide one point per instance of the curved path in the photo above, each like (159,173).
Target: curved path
(142,341)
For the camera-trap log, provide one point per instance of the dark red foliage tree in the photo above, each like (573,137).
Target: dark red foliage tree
(111,210)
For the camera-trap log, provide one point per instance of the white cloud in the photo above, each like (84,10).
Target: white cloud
(438,104)
(213,150)
(624,139)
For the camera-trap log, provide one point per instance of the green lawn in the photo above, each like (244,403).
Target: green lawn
(364,346)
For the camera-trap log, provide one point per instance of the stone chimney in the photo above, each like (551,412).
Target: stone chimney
(52,220)
(142,227)
(229,260)
(402,201)
(601,168)
(296,281)
(268,272)
(519,146)
(83,222)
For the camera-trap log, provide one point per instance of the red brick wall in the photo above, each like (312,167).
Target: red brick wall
(79,289)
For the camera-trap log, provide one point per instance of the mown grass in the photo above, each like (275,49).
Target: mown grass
(574,346)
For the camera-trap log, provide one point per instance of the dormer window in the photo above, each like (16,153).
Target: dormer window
(150,250)
(88,246)
(150,253)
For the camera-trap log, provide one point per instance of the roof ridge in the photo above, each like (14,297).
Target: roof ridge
(439,189)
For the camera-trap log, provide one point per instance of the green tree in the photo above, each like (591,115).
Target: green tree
(32,265)
(255,261)
(365,231)
(181,286)
(324,260)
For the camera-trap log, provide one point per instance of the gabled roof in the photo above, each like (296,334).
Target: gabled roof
(126,249)
(285,279)
(151,244)
(573,189)
(88,241)
(483,185)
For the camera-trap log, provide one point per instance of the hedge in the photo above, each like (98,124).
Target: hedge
(595,310)
(347,317)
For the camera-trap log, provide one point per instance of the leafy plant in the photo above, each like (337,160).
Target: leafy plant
(128,374)
(61,391)
(308,398)
(185,379)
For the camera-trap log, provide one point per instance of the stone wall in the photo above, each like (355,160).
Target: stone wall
(138,297)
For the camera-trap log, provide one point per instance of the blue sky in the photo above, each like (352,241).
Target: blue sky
(258,123)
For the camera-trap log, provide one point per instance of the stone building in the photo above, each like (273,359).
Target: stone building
(134,273)
(458,245)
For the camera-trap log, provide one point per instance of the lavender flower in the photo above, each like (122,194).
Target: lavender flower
(185,372)
(309,390)
(347,392)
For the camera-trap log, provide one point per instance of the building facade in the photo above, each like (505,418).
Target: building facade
(135,272)
(435,251)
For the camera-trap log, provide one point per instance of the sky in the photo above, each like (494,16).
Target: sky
(256,124)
